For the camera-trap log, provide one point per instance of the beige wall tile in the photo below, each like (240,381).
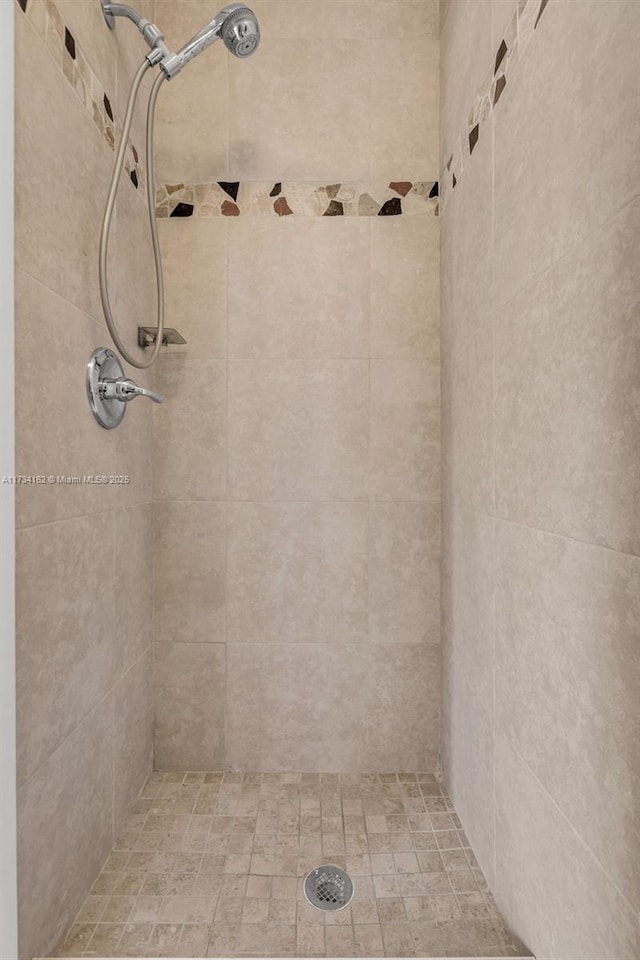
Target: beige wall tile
(191,132)
(468,337)
(60,154)
(404,572)
(568,684)
(134,558)
(131,50)
(310,20)
(72,790)
(133,278)
(301,109)
(189,554)
(468,761)
(405,430)
(298,430)
(190,441)
(299,287)
(189,692)
(404,103)
(297,572)
(584,916)
(66,651)
(86,23)
(405,20)
(194,256)
(405,287)
(568,436)
(466,53)
(575,149)
(132,737)
(502,13)
(61,438)
(336,707)
(468,578)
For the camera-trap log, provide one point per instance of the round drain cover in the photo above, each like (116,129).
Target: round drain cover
(328,887)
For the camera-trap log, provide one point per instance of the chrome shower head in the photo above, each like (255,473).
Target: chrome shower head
(236,25)
(240,31)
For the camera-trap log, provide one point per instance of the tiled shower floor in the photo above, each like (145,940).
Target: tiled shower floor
(212,864)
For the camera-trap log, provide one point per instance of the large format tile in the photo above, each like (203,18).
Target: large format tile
(582,152)
(582,918)
(297,572)
(189,692)
(404,572)
(73,789)
(59,154)
(465,52)
(54,341)
(190,552)
(132,736)
(310,20)
(467,336)
(298,430)
(190,430)
(405,430)
(299,287)
(502,13)
(66,651)
(405,287)
(468,580)
(133,278)
(332,707)
(194,256)
(468,761)
(134,582)
(567,355)
(301,109)
(191,128)
(89,30)
(568,684)
(404,103)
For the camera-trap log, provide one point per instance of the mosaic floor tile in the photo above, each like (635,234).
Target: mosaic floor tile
(212,864)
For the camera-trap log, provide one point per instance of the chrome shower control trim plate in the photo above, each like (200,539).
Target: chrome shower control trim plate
(109,391)
(104,365)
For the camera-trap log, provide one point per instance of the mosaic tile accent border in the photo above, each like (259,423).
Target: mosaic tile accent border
(515,41)
(221,199)
(63,47)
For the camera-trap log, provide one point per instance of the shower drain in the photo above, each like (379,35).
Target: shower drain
(328,887)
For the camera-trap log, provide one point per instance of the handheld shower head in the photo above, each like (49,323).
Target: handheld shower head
(240,31)
(236,24)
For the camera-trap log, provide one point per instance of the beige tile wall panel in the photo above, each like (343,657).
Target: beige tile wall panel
(189,692)
(297,572)
(189,571)
(582,154)
(316,723)
(298,288)
(582,915)
(567,356)
(568,684)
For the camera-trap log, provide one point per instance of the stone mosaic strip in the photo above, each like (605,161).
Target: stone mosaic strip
(221,199)
(510,50)
(63,47)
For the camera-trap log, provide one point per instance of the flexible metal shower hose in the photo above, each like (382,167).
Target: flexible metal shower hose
(151,200)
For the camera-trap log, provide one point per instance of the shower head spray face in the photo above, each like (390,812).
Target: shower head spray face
(236,25)
(240,32)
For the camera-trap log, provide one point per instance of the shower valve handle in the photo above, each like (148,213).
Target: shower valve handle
(125,389)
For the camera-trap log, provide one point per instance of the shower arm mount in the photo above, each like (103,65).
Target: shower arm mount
(151,33)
